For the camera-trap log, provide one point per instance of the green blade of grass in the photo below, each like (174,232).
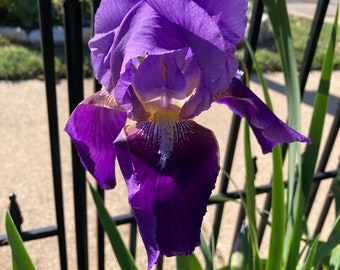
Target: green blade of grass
(259,75)
(123,255)
(220,199)
(250,203)
(240,256)
(20,258)
(207,253)
(277,12)
(310,157)
(278,208)
(308,264)
(319,113)
(334,260)
(187,263)
(278,213)
(332,241)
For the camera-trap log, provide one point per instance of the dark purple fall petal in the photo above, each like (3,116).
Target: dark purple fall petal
(268,129)
(93,130)
(169,203)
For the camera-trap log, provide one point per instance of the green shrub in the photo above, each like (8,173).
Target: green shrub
(17,62)
(4,41)
(23,13)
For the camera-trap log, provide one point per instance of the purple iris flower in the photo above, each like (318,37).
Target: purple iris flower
(161,63)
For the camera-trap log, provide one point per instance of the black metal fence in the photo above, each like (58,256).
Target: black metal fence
(73,41)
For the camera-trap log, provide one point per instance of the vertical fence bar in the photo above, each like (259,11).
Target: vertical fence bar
(314,34)
(324,159)
(100,236)
(133,238)
(253,32)
(241,213)
(100,229)
(234,129)
(320,14)
(324,212)
(45,18)
(74,58)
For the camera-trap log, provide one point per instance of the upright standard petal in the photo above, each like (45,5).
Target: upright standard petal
(217,69)
(268,129)
(159,74)
(169,203)
(189,16)
(230,15)
(93,129)
(108,18)
(111,13)
(143,32)
(214,54)
(101,49)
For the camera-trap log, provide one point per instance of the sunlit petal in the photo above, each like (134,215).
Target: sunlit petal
(93,129)
(268,129)
(108,17)
(230,17)
(159,75)
(143,32)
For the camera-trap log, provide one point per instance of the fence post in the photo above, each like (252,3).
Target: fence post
(74,58)
(47,45)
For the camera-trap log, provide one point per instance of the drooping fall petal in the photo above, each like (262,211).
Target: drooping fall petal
(169,203)
(93,129)
(268,129)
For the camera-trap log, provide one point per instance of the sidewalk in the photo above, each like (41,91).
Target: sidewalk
(306,9)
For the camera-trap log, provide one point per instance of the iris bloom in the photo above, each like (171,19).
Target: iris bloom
(161,63)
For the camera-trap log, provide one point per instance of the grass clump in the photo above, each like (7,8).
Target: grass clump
(21,63)
(17,62)
(268,57)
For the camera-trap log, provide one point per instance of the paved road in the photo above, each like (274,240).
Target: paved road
(307,8)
